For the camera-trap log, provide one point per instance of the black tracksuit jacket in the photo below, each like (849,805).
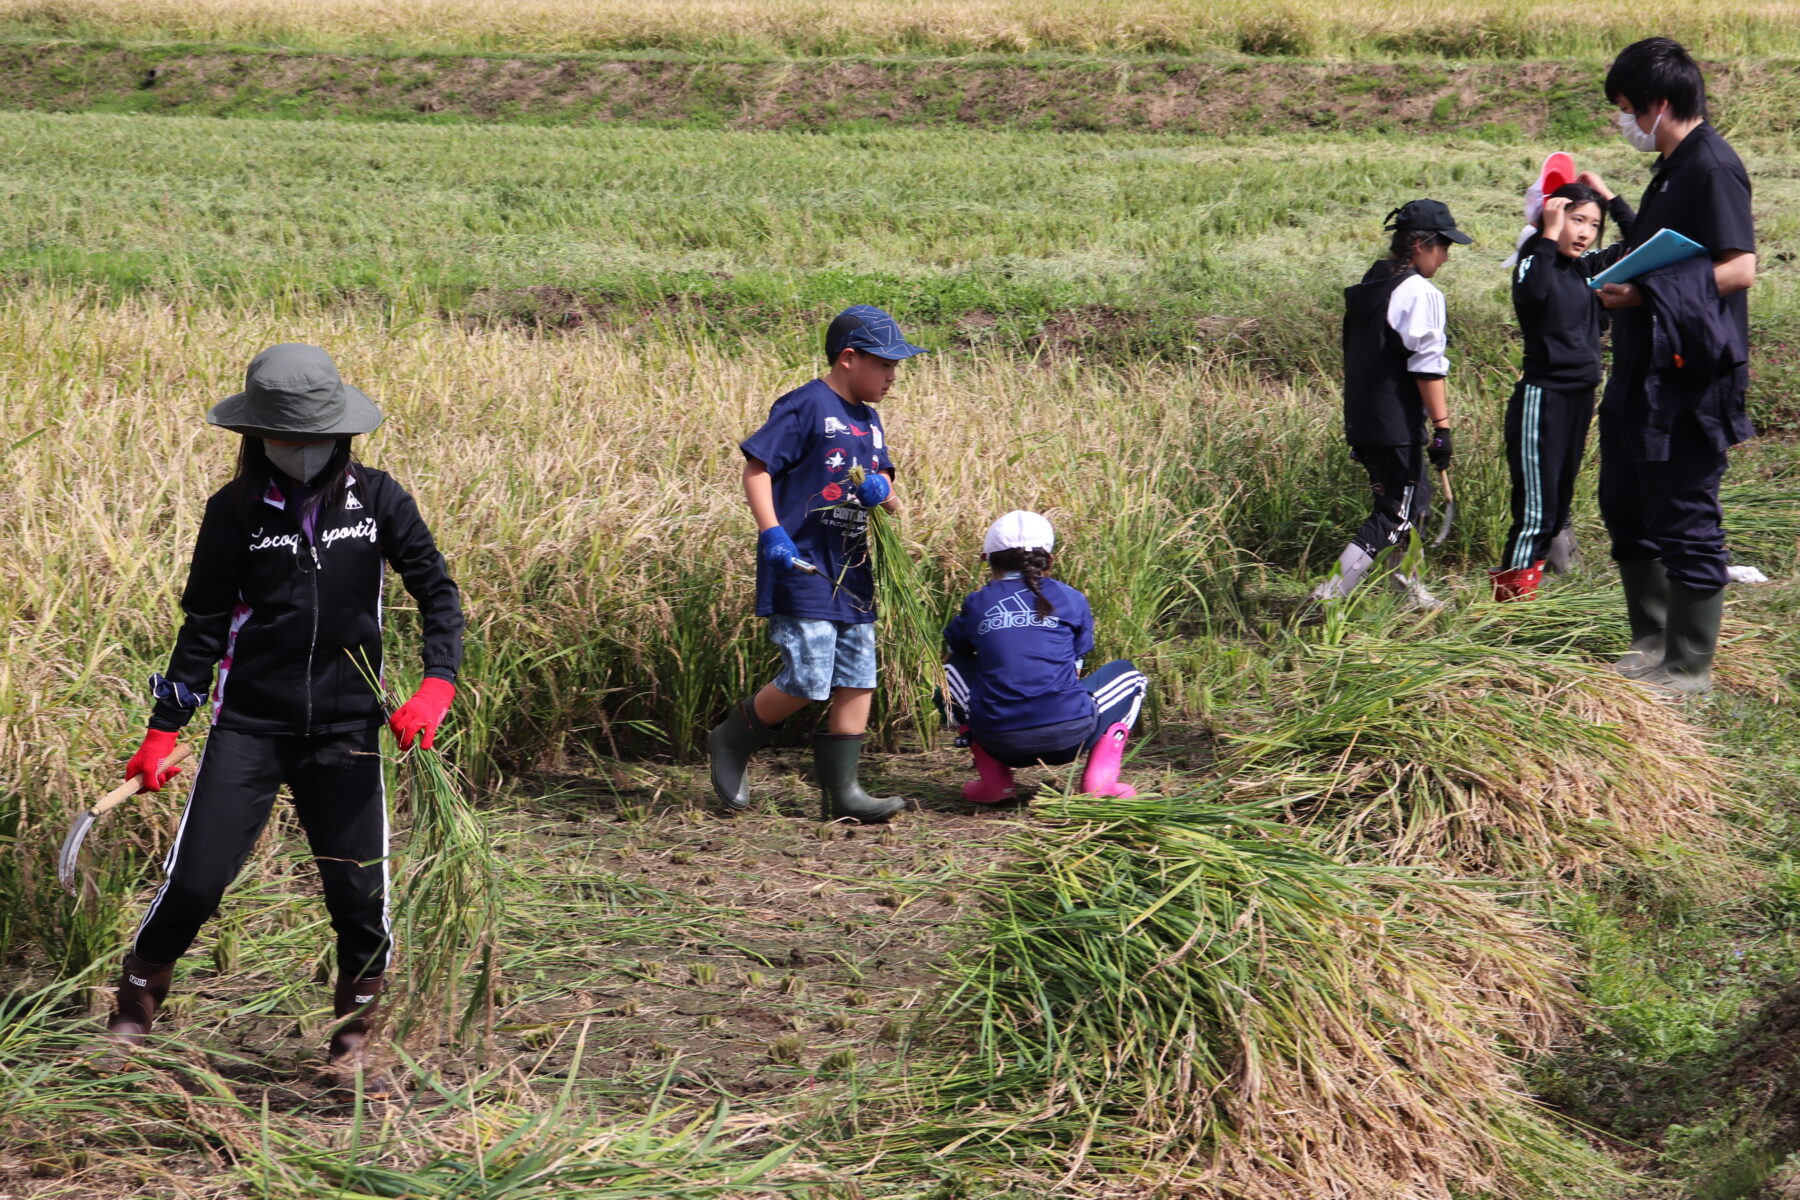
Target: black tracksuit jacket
(1559,314)
(281,613)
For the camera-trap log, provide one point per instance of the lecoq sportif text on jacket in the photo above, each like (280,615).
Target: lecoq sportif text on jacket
(287,613)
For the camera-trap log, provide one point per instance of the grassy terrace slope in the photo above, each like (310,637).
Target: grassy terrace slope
(1116,246)
(1507,29)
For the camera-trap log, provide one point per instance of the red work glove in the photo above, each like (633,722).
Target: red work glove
(158,744)
(423,713)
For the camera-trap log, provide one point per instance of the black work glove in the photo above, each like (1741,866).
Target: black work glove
(1439,448)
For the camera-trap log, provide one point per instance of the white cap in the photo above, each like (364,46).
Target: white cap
(1019,530)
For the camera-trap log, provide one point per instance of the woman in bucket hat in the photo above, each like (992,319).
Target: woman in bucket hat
(1016,691)
(284,597)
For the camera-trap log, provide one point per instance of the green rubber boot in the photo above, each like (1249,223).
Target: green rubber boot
(729,747)
(836,757)
(1647,606)
(1693,636)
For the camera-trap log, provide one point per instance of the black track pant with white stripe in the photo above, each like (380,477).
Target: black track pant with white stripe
(1546,436)
(1118,689)
(1400,496)
(340,800)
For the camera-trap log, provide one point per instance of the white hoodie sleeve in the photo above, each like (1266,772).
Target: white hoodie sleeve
(1416,312)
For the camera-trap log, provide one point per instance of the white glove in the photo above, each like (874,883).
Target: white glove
(1740,574)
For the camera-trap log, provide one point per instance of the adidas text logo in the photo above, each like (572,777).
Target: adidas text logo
(1014,612)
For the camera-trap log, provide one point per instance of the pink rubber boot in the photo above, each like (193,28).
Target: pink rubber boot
(996,783)
(1102,775)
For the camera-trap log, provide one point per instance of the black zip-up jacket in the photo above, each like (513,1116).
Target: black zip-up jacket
(1695,352)
(276,609)
(1559,315)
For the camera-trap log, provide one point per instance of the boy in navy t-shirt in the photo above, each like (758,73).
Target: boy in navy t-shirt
(811,474)
(1014,674)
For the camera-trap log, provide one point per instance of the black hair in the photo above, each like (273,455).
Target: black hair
(1578,194)
(1658,68)
(1408,242)
(1032,566)
(255,472)
(839,332)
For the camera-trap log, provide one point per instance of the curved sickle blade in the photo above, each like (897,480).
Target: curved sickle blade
(1443,532)
(68,859)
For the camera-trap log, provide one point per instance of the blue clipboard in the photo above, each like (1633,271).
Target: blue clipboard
(1664,248)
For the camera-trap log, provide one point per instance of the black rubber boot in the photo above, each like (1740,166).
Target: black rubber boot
(836,758)
(142,989)
(729,747)
(1647,606)
(347,1056)
(1692,638)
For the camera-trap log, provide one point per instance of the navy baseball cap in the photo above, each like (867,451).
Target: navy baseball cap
(1432,216)
(865,327)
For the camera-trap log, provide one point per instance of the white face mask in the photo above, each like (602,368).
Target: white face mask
(300,462)
(1635,135)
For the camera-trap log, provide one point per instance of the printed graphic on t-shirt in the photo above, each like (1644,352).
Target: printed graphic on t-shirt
(1014,612)
(813,445)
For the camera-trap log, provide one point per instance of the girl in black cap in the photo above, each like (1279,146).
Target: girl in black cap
(1394,368)
(284,598)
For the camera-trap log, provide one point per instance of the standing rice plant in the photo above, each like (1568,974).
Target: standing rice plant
(1186,994)
(1486,758)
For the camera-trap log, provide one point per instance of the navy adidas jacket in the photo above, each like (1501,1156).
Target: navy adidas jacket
(286,613)
(1027,667)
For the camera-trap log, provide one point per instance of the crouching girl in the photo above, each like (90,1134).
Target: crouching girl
(1014,675)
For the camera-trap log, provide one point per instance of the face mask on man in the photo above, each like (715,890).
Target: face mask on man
(301,462)
(1635,134)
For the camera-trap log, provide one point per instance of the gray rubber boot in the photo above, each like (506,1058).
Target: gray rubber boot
(836,758)
(1647,606)
(729,747)
(1352,565)
(1691,639)
(1562,552)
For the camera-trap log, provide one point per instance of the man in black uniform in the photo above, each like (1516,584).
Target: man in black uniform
(1663,447)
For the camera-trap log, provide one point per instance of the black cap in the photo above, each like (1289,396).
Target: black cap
(1432,216)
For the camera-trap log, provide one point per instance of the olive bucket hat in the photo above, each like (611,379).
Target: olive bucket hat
(294,391)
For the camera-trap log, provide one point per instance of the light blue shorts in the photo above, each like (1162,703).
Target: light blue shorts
(818,655)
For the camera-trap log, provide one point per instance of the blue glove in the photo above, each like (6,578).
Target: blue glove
(873,489)
(775,547)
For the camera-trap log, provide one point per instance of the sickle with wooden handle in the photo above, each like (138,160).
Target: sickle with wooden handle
(68,861)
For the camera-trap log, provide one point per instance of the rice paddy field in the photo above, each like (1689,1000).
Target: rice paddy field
(1412,907)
